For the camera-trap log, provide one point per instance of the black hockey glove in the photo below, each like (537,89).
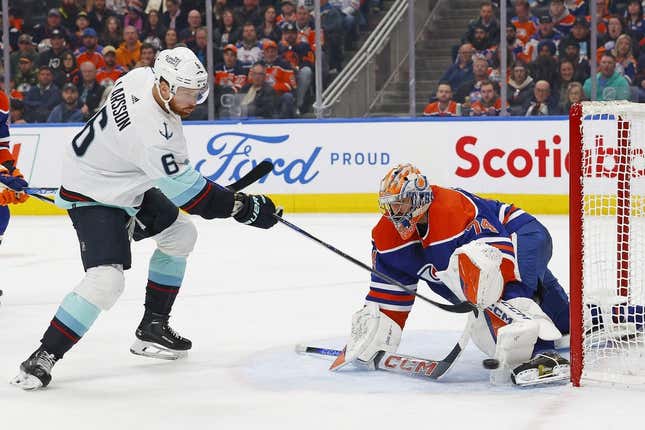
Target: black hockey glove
(254,209)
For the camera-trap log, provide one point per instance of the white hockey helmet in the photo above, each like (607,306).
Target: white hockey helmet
(181,68)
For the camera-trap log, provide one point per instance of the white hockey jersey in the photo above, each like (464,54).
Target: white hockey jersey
(129,146)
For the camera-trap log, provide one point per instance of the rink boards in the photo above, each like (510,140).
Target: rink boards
(336,165)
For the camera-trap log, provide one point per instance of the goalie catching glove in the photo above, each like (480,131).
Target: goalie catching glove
(372,331)
(255,210)
(12,185)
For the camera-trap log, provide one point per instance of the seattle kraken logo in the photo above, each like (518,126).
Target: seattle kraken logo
(165,133)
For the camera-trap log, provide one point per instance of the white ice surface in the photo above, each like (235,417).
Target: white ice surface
(249,296)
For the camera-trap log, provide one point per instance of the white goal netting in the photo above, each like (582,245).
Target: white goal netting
(612,195)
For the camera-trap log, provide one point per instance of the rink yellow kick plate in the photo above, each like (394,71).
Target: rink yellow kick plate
(346,203)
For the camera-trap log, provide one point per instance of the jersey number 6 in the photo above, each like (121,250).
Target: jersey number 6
(85,141)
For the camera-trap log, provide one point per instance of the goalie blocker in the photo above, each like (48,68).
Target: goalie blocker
(463,246)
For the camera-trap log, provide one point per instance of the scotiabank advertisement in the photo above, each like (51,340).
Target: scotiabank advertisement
(327,157)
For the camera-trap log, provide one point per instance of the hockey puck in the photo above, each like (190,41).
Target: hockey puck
(490,363)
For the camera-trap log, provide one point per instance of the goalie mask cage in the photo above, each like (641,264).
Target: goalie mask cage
(607,242)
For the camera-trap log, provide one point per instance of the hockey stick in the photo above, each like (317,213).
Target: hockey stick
(459,308)
(401,363)
(257,173)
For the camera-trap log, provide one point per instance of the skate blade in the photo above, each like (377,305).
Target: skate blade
(26,382)
(154,350)
(529,378)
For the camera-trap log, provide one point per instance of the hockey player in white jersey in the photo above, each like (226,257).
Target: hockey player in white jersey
(124,176)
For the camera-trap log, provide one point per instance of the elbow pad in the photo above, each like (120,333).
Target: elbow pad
(211,202)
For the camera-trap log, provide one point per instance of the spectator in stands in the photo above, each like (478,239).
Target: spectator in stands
(566,74)
(299,54)
(129,52)
(562,19)
(571,51)
(287,12)
(580,35)
(17,111)
(153,30)
(575,94)
(249,51)
(611,85)
(487,20)
(67,110)
(461,71)
(69,71)
(42,32)
(53,57)
(608,41)
(134,16)
(229,80)
(469,91)
(305,26)
(27,76)
(170,39)
(483,46)
(602,13)
(349,11)
(269,28)
(280,75)
(444,105)
(541,102)
(99,15)
(112,34)
(515,45)
(249,12)
(332,25)
(520,88)
(259,97)
(625,62)
(120,7)
(82,23)
(173,17)
(187,35)
(148,53)
(41,98)
(525,23)
(545,32)
(545,66)
(229,29)
(90,92)
(108,74)
(200,46)
(634,19)
(25,49)
(489,104)
(639,80)
(69,11)
(90,51)
(158,6)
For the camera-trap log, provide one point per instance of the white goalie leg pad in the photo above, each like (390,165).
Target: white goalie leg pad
(102,285)
(546,328)
(474,274)
(372,331)
(178,239)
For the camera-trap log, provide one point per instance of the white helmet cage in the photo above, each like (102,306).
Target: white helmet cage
(180,67)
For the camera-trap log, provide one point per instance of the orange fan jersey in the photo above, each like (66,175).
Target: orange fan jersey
(280,75)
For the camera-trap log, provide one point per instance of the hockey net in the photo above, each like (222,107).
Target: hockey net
(607,240)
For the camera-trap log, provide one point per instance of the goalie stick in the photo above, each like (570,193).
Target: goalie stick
(459,308)
(401,363)
(256,173)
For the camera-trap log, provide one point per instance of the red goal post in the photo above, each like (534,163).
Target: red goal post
(607,241)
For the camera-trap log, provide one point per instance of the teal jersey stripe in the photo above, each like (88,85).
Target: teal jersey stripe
(181,188)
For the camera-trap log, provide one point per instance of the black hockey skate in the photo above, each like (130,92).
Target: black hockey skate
(156,339)
(544,368)
(35,372)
